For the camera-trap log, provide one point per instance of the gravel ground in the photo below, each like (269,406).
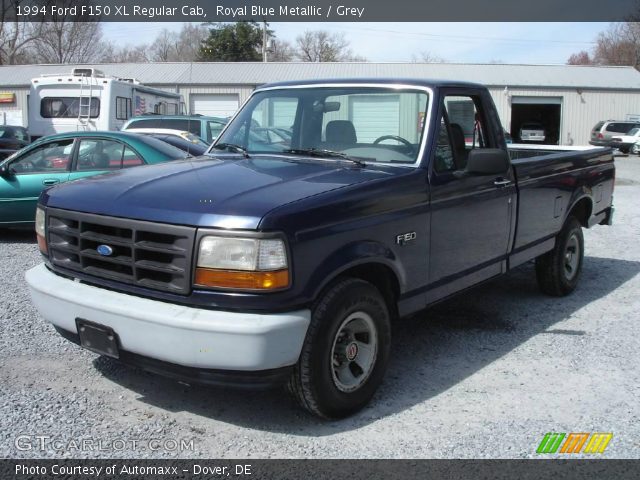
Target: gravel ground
(482,376)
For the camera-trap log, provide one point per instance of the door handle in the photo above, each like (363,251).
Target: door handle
(50,181)
(501,182)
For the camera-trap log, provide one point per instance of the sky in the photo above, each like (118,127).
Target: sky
(537,43)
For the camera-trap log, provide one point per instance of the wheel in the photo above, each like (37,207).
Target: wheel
(558,271)
(635,149)
(345,352)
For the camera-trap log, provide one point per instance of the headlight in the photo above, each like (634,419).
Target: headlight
(242,263)
(40,230)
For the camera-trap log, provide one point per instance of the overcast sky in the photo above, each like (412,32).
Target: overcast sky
(454,42)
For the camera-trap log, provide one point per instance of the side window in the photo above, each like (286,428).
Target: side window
(51,157)
(131,158)
(214,130)
(444,161)
(466,127)
(123,108)
(99,154)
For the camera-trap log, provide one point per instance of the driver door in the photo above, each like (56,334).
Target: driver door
(472,215)
(30,172)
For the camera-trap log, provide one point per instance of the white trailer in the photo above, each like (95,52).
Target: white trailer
(87,99)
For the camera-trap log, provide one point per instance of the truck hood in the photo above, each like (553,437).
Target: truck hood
(220,192)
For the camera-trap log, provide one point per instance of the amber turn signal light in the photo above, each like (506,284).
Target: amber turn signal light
(207,277)
(42,244)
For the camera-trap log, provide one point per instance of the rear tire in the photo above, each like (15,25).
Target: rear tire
(345,352)
(558,271)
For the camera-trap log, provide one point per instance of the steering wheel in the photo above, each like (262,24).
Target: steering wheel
(397,138)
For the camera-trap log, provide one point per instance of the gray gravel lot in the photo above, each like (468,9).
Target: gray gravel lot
(484,375)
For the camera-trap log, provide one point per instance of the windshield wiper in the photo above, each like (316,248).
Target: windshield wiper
(323,153)
(233,148)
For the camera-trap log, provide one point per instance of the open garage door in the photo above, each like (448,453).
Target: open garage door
(213,104)
(532,111)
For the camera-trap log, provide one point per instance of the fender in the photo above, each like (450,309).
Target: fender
(584,192)
(352,255)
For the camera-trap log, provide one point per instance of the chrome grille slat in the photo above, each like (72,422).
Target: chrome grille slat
(147,254)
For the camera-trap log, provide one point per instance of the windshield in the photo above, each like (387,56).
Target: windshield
(633,132)
(373,124)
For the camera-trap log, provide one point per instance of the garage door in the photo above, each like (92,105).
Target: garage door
(374,116)
(214,105)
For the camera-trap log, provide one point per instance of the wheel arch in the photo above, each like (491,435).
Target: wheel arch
(368,261)
(582,209)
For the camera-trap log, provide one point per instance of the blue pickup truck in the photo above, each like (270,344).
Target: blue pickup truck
(286,261)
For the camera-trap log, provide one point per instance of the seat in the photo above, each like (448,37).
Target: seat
(101,160)
(341,132)
(459,146)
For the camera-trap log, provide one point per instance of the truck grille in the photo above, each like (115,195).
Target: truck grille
(146,254)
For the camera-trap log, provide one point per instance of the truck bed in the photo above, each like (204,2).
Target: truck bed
(551,180)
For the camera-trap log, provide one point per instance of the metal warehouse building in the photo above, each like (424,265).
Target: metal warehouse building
(567,100)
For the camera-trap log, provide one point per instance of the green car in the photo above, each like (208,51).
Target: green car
(68,156)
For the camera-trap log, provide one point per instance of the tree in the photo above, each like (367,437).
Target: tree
(280,51)
(427,57)
(322,46)
(178,46)
(68,41)
(236,42)
(126,54)
(619,45)
(16,36)
(580,58)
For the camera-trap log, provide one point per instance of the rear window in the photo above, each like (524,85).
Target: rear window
(620,127)
(183,124)
(169,150)
(598,126)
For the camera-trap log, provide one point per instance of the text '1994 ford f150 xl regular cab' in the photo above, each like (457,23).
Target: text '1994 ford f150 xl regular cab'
(285,258)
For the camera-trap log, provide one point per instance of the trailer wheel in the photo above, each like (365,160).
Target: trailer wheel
(345,352)
(558,271)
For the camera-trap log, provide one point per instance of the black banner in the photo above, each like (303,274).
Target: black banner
(321,10)
(210,469)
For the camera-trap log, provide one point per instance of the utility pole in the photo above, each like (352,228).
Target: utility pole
(264,40)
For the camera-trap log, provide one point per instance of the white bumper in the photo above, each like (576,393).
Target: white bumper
(191,337)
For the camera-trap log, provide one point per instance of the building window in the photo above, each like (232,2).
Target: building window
(123,108)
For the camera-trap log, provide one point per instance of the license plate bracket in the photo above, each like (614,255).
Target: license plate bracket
(98,338)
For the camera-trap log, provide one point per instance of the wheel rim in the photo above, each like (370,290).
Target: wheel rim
(572,257)
(354,352)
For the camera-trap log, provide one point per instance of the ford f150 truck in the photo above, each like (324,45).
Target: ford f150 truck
(267,262)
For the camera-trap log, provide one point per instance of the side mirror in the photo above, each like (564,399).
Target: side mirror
(6,170)
(488,161)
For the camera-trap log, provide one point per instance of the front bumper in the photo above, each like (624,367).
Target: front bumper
(165,333)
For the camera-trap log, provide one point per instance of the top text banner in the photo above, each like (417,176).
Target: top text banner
(322,10)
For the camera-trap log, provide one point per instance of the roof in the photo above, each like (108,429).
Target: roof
(254,73)
(413,82)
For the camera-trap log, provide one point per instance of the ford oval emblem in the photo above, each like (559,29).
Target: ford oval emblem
(104,250)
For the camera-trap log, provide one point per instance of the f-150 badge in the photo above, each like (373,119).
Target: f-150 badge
(405,238)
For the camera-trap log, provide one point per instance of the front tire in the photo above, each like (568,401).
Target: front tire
(558,271)
(345,352)
(635,149)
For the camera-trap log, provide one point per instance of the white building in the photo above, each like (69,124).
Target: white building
(568,100)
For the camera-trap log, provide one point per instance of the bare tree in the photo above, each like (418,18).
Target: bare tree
(580,58)
(180,46)
(427,57)
(16,36)
(323,46)
(67,41)
(126,54)
(619,45)
(280,51)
